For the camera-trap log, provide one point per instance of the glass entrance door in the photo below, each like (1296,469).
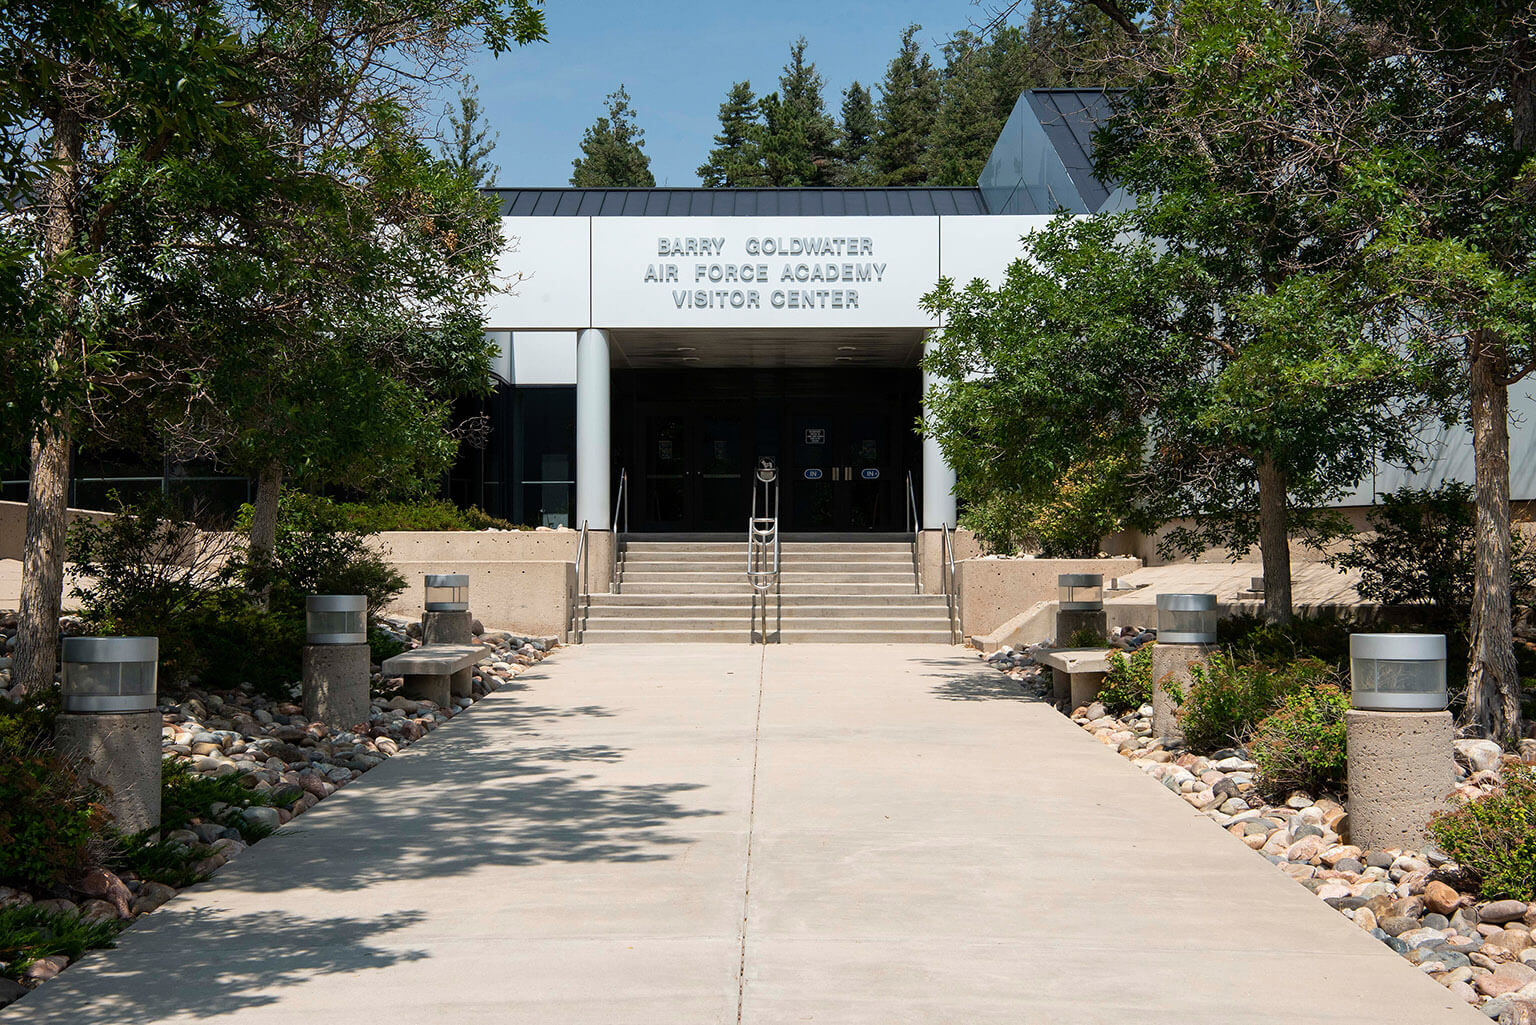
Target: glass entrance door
(842,472)
(695,473)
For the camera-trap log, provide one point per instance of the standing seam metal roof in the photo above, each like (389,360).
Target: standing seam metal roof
(1069,117)
(700,202)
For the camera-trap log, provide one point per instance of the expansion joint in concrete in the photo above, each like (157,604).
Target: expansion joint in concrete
(746,885)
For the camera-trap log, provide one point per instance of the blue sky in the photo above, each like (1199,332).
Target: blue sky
(677,61)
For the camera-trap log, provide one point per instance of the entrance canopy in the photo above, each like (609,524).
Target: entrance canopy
(764,348)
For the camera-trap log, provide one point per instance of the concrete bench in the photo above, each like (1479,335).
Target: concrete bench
(1076,673)
(436,672)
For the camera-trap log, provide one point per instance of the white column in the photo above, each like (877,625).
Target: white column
(593,431)
(938,477)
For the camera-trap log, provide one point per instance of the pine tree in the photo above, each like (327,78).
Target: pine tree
(471,140)
(737,159)
(855,136)
(612,150)
(909,100)
(798,135)
(981,83)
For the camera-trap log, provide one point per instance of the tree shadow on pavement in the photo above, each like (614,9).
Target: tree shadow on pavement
(982,683)
(236,963)
(508,783)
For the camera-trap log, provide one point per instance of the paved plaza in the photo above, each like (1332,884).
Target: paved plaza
(691,834)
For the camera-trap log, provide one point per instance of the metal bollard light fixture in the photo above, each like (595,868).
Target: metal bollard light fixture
(1186,618)
(447,592)
(1397,672)
(109,674)
(1080,592)
(336,619)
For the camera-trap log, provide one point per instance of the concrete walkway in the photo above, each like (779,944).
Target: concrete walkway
(697,834)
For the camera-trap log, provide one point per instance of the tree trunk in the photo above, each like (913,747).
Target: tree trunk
(42,572)
(1275,542)
(1493,680)
(264,521)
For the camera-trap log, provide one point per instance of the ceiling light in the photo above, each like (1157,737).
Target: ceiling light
(686,348)
(847,348)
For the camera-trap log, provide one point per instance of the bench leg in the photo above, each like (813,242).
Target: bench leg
(435,689)
(1085,688)
(461,683)
(1061,684)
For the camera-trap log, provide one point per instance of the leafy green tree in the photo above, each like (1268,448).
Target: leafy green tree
(471,142)
(613,150)
(172,146)
(1444,181)
(737,160)
(799,137)
(909,100)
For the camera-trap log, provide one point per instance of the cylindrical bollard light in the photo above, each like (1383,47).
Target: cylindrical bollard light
(109,725)
(1186,630)
(1399,735)
(447,619)
(336,661)
(1080,606)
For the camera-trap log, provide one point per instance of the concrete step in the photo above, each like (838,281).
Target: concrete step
(740,548)
(926,613)
(663,587)
(725,620)
(839,636)
(672,559)
(788,577)
(744,599)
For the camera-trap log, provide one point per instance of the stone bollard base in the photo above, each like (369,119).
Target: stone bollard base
(1069,622)
(120,752)
(1170,662)
(447,628)
(336,680)
(1401,767)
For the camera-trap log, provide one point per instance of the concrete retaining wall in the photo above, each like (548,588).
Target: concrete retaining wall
(993,591)
(13,526)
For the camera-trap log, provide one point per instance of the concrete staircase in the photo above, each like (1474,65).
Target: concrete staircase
(856,590)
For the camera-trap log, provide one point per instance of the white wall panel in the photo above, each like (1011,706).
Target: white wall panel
(983,247)
(745,272)
(553,256)
(543,357)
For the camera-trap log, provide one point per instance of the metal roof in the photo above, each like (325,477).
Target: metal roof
(700,202)
(1069,117)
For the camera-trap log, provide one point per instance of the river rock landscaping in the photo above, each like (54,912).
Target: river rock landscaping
(264,756)
(1420,903)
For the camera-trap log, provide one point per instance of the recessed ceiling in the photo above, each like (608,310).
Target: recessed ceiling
(766,347)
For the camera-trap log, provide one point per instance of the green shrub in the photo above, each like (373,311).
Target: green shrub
(50,828)
(1494,837)
(317,551)
(29,933)
(1301,746)
(1086,637)
(28,725)
(1252,640)
(374,517)
(381,645)
(1226,699)
(1128,684)
(186,795)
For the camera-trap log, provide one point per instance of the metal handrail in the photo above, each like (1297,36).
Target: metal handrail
(915,528)
(763,531)
(581,582)
(947,573)
(620,530)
